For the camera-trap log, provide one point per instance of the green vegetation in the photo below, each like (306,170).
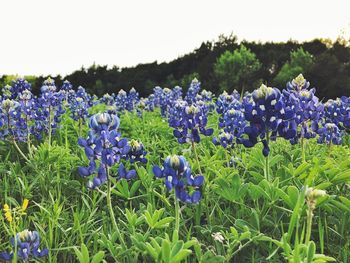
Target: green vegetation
(243,218)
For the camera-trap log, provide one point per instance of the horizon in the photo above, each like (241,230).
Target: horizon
(117,34)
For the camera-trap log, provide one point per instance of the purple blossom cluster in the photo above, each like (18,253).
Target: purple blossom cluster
(27,245)
(178,176)
(104,147)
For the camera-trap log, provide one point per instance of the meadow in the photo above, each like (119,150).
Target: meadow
(179,176)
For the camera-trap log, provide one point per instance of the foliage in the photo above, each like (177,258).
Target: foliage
(275,201)
(300,62)
(236,70)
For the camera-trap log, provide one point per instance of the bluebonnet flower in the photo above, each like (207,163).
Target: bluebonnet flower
(67,90)
(234,161)
(6,92)
(149,103)
(9,112)
(225,100)
(232,123)
(157,94)
(178,176)
(104,147)
(177,93)
(48,109)
(192,91)
(224,138)
(28,243)
(206,98)
(79,109)
(24,117)
(189,122)
(132,99)
(18,86)
(15,110)
(264,111)
(330,134)
(108,99)
(307,110)
(121,100)
(79,104)
(66,86)
(338,112)
(176,113)
(166,101)
(16,114)
(137,152)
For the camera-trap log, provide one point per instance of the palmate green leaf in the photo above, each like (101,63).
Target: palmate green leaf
(340,205)
(256,191)
(134,187)
(342,177)
(163,222)
(275,160)
(231,190)
(301,169)
(345,201)
(285,197)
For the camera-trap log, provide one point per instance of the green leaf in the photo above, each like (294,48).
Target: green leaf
(311,252)
(345,201)
(135,186)
(184,253)
(98,257)
(152,251)
(79,255)
(163,222)
(85,253)
(341,177)
(293,194)
(166,251)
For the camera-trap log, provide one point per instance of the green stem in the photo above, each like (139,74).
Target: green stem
(308,225)
(199,206)
(50,128)
(227,156)
(302,149)
(267,161)
(196,156)
(20,151)
(329,149)
(110,208)
(80,127)
(177,215)
(28,138)
(66,136)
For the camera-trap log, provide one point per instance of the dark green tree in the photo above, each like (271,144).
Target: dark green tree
(300,62)
(237,69)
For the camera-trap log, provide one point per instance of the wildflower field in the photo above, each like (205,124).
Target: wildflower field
(179,176)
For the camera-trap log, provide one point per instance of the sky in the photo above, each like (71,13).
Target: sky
(42,37)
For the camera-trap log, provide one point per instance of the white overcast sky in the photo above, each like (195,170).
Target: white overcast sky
(59,36)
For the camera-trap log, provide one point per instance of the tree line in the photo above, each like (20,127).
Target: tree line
(225,64)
